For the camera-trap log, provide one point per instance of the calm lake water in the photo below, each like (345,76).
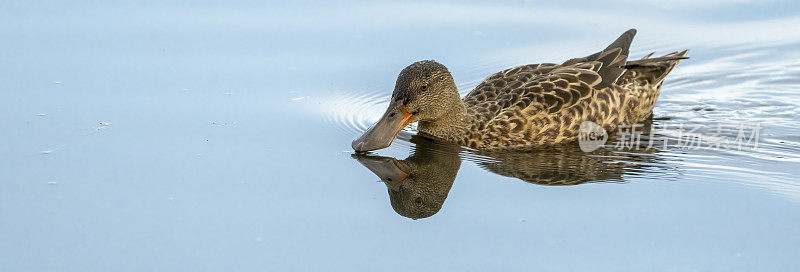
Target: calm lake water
(215,136)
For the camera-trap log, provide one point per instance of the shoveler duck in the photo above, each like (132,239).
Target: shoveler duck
(529,105)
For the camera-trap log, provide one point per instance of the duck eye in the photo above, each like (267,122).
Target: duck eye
(424,87)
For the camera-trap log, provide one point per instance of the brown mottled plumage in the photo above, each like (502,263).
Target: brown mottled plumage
(537,104)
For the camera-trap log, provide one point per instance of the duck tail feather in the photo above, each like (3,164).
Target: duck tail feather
(668,59)
(653,70)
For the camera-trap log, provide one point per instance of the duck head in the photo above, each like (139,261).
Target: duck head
(425,91)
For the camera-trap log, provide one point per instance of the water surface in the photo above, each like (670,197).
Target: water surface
(211,136)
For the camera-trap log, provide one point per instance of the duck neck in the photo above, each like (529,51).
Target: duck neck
(450,127)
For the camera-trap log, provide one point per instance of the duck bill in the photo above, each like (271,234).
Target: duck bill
(385,130)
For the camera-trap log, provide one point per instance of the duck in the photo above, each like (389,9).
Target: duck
(530,105)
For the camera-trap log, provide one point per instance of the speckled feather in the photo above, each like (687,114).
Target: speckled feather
(542,104)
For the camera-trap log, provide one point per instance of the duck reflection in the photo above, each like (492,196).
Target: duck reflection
(569,165)
(419,184)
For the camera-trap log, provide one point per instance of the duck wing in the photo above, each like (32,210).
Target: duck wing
(508,86)
(614,58)
(507,104)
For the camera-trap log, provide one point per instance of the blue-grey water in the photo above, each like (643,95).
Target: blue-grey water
(215,136)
